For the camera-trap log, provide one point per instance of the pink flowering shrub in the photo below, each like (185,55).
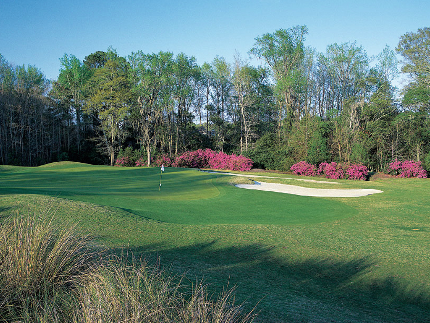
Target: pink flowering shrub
(303,168)
(332,170)
(210,159)
(357,172)
(141,162)
(163,160)
(194,159)
(338,171)
(240,163)
(407,168)
(123,162)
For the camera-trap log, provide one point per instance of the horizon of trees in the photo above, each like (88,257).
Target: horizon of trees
(298,105)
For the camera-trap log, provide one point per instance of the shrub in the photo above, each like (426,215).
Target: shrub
(240,163)
(194,159)
(331,170)
(127,157)
(141,162)
(209,159)
(357,172)
(221,160)
(304,169)
(124,161)
(163,160)
(407,168)
(335,170)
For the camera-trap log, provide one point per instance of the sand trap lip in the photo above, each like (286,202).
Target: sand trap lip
(262,176)
(306,191)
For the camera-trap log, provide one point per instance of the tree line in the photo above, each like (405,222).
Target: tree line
(340,105)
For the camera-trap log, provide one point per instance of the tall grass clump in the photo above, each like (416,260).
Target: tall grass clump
(118,292)
(39,265)
(54,274)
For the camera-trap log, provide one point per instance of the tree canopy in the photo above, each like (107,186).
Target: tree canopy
(338,105)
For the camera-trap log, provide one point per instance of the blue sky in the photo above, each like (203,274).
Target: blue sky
(40,32)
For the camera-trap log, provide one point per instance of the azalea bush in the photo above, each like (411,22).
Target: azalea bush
(206,158)
(210,159)
(141,162)
(127,157)
(407,169)
(241,163)
(124,161)
(303,168)
(357,172)
(331,170)
(163,160)
(194,159)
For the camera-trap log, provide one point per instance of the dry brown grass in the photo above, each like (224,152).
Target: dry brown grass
(118,292)
(52,274)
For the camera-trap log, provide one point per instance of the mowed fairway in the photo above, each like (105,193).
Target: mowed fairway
(187,196)
(297,259)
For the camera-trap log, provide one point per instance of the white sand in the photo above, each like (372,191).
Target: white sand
(298,190)
(305,191)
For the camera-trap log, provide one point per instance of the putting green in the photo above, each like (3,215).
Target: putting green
(187,196)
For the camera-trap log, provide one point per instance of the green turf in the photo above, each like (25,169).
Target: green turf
(186,196)
(367,263)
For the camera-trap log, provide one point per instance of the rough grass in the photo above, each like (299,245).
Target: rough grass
(39,265)
(52,274)
(369,265)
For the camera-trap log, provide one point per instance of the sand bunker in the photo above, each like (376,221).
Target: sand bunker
(306,191)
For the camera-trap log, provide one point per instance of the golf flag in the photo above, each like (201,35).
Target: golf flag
(161,173)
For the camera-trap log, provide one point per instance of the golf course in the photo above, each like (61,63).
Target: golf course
(289,258)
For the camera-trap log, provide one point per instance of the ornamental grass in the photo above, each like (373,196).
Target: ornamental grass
(55,274)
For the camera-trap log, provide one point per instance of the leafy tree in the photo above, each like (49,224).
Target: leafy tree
(346,66)
(265,154)
(284,52)
(97,59)
(110,101)
(247,81)
(185,78)
(387,64)
(153,85)
(71,89)
(221,84)
(317,150)
(415,49)
(414,124)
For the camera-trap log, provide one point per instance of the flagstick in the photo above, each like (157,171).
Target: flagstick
(161,174)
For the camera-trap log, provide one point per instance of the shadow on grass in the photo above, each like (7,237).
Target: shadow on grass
(317,290)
